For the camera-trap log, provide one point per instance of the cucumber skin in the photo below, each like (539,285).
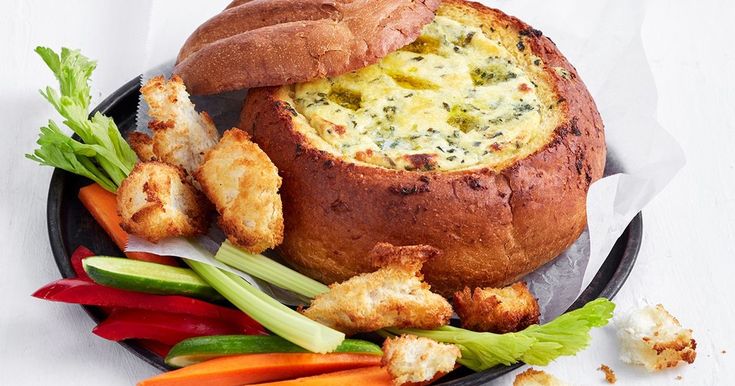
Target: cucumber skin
(208,347)
(151,285)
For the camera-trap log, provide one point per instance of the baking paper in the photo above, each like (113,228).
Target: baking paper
(603,41)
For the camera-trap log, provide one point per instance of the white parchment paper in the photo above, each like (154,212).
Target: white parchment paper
(603,42)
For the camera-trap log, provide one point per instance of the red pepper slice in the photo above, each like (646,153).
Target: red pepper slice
(159,326)
(159,348)
(79,291)
(77,256)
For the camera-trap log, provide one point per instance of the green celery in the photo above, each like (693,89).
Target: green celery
(536,345)
(267,311)
(102,155)
(271,271)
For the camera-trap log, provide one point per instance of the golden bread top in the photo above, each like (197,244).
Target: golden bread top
(452,99)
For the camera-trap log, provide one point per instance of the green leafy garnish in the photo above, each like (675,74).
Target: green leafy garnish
(536,345)
(102,155)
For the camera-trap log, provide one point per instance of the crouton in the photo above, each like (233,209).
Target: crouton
(155,202)
(498,310)
(142,145)
(610,376)
(243,184)
(652,337)
(392,296)
(533,377)
(410,359)
(181,136)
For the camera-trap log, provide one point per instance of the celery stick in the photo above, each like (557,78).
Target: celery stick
(271,271)
(267,311)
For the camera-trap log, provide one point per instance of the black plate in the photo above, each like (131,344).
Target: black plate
(70,225)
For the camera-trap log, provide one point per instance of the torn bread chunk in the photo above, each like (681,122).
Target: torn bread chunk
(652,337)
(142,145)
(393,296)
(410,359)
(498,310)
(532,377)
(156,201)
(181,135)
(243,184)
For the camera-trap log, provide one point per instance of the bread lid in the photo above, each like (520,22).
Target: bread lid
(256,43)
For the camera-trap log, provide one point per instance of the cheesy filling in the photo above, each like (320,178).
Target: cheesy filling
(453,99)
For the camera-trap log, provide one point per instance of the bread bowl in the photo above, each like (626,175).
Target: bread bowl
(497,213)
(295,40)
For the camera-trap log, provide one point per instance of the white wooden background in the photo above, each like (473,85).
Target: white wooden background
(686,262)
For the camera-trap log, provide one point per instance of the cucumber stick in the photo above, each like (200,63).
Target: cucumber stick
(199,349)
(141,276)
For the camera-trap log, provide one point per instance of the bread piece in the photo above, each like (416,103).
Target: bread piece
(243,184)
(533,377)
(503,217)
(181,136)
(498,310)
(393,296)
(142,145)
(652,337)
(155,202)
(411,359)
(273,42)
(610,376)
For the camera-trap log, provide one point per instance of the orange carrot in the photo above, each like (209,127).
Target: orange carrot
(374,375)
(257,368)
(103,206)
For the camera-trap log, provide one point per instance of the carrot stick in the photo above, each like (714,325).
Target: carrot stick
(257,368)
(374,375)
(103,206)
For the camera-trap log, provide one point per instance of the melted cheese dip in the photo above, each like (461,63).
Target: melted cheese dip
(453,99)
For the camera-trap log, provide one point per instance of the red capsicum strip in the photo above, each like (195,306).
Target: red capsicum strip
(159,326)
(84,292)
(161,349)
(77,256)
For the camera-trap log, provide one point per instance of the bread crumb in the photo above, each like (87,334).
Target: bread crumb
(653,338)
(532,377)
(609,373)
(724,352)
(679,377)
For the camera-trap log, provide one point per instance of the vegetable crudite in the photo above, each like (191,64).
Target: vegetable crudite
(362,163)
(196,350)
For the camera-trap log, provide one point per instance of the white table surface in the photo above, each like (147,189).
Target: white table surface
(686,261)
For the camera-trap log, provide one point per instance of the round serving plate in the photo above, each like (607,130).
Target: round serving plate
(70,225)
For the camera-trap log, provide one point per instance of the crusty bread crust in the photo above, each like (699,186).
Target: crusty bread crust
(493,226)
(142,145)
(273,42)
